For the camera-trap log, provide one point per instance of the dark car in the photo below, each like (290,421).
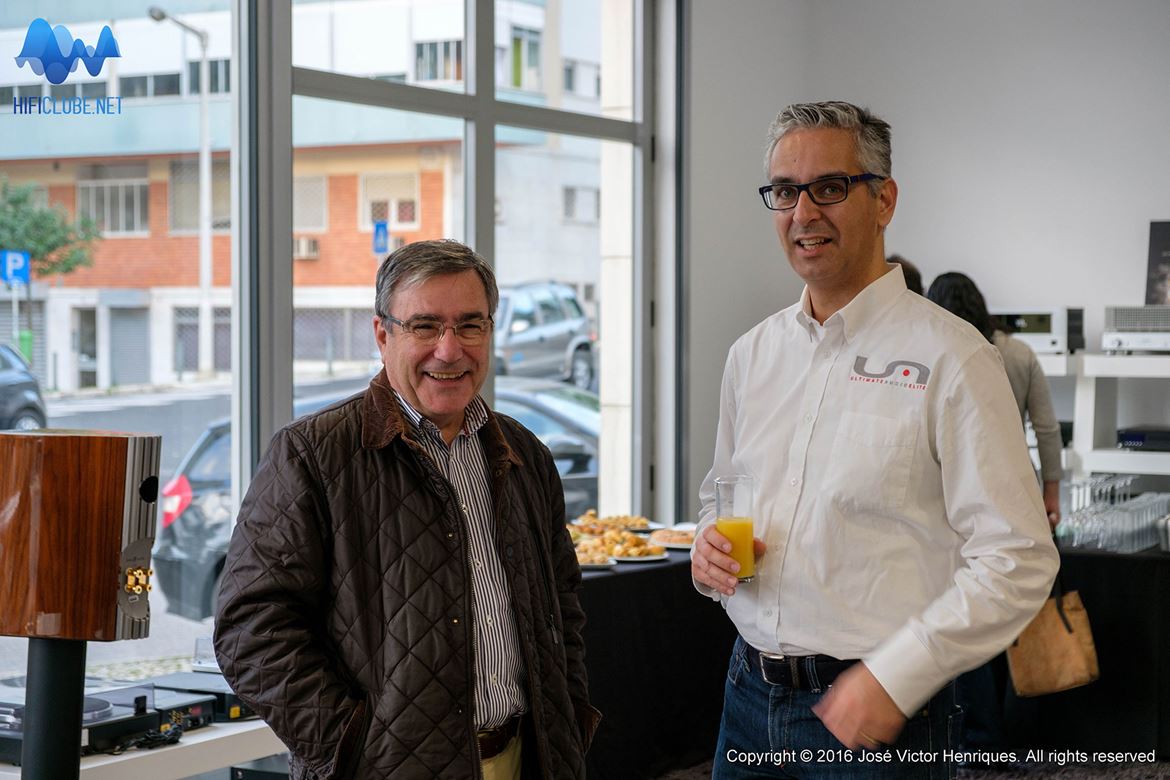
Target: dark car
(195,526)
(22,407)
(542,331)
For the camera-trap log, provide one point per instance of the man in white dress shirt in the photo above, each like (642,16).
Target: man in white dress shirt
(901,536)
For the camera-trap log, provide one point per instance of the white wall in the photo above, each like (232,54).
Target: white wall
(734,271)
(1030,148)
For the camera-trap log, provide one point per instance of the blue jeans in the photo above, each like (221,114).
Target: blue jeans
(770,731)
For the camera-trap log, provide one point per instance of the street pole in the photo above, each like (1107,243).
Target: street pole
(206,362)
(206,323)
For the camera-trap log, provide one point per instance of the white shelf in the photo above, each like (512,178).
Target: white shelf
(213,747)
(1150,366)
(1059,365)
(1127,461)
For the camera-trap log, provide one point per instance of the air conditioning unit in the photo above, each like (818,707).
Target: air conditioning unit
(305,248)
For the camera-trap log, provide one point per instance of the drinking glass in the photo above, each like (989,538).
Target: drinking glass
(733,518)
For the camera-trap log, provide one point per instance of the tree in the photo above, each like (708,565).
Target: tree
(55,244)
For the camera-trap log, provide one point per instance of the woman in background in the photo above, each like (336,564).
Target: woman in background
(956,293)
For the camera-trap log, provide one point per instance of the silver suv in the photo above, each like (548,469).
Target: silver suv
(542,331)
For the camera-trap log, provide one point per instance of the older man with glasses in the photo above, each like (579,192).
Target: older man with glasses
(400,595)
(901,538)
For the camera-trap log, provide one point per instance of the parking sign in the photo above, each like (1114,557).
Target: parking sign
(14,267)
(381,237)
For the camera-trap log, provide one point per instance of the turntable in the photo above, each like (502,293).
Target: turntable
(107,719)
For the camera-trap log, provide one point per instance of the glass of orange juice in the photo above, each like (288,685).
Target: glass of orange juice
(733,518)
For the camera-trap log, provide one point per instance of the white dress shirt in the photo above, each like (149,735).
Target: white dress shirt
(894,490)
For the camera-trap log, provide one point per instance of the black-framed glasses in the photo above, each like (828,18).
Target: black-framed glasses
(429,331)
(824,192)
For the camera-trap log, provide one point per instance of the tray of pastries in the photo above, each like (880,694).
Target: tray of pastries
(673,538)
(589,523)
(621,546)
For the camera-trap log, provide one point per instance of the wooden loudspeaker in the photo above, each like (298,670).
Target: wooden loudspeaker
(77,514)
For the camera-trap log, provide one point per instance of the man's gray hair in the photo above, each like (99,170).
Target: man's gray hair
(413,264)
(871,135)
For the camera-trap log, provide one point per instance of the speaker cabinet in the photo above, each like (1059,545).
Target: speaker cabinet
(77,519)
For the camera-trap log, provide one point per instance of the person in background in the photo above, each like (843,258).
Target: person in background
(901,535)
(956,293)
(909,271)
(400,593)
(982,691)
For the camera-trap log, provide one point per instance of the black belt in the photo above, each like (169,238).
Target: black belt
(493,741)
(803,672)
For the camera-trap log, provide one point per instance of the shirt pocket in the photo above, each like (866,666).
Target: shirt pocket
(869,468)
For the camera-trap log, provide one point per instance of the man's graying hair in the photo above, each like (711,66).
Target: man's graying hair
(871,135)
(413,264)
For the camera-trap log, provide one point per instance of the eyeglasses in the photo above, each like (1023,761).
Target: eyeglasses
(429,331)
(823,192)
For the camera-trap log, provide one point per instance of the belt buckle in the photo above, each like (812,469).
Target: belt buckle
(764,669)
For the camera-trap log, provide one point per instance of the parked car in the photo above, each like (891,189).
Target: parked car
(195,526)
(22,407)
(542,331)
(568,420)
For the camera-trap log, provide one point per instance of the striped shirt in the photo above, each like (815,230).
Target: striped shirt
(499,669)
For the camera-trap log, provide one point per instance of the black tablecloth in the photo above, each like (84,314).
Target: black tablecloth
(1127,598)
(657,655)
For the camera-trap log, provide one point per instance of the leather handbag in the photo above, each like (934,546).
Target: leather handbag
(1056,651)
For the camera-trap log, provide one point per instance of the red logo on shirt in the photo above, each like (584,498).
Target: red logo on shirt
(886,377)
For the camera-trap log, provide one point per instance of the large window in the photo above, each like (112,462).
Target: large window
(385,128)
(555,211)
(138,339)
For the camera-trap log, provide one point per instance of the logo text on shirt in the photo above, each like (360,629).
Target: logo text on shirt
(896,373)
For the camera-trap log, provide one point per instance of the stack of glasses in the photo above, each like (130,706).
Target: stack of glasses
(1105,517)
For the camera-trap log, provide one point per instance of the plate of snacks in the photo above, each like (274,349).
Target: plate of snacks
(594,558)
(590,523)
(673,538)
(648,558)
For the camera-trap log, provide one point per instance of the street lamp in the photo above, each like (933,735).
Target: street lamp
(206,325)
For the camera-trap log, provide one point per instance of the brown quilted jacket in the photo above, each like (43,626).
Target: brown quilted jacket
(344,618)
